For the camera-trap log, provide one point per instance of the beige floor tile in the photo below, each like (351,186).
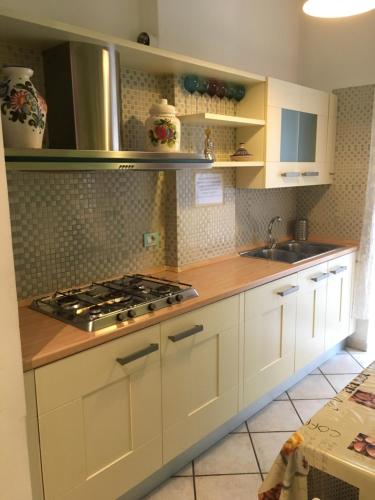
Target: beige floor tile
(283,396)
(340,381)
(267,446)
(233,454)
(312,387)
(238,487)
(308,408)
(315,372)
(241,428)
(363,358)
(185,471)
(341,363)
(180,488)
(277,416)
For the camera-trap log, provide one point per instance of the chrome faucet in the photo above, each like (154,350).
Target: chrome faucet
(271,240)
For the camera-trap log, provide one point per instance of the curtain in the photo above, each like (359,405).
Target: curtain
(364,288)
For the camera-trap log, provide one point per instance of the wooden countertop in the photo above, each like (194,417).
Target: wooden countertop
(45,339)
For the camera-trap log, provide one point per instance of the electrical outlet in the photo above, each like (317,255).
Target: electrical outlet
(151,239)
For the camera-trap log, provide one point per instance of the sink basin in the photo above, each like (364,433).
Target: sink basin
(306,247)
(291,251)
(273,254)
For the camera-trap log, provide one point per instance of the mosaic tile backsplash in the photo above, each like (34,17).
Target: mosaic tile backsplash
(337,210)
(71,228)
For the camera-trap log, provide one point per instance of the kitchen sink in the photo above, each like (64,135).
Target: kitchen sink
(291,251)
(273,254)
(307,247)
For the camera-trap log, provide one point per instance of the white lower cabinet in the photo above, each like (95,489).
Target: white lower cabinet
(311,314)
(100,420)
(339,299)
(112,415)
(199,373)
(270,328)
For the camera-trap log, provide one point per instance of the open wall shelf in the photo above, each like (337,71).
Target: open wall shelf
(218,120)
(238,164)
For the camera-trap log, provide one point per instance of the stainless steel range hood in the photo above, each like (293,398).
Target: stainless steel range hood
(83,94)
(74,160)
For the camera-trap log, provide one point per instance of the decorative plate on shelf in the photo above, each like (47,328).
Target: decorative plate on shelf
(241,154)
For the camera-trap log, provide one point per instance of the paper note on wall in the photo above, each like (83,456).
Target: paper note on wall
(209,189)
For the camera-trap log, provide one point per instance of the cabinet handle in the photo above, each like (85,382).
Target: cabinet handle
(186,333)
(310,174)
(138,354)
(288,291)
(290,174)
(320,277)
(339,269)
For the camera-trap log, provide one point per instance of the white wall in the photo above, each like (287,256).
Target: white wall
(14,466)
(116,17)
(337,53)
(256,35)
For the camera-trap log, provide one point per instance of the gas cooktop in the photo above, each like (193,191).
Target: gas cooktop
(108,303)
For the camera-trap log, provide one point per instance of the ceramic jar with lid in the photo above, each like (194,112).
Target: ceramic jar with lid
(23,109)
(163,128)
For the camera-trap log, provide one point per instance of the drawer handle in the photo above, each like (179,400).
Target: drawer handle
(310,174)
(288,291)
(290,174)
(339,269)
(186,333)
(138,354)
(320,277)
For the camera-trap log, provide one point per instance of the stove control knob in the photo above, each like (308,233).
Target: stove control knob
(179,297)
(122,317)
(152,307)
(170,300)
(132,313)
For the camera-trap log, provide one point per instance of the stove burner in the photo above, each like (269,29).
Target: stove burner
(95,311)
(164,289)
(68,302)
(134,281)
(118,299)
(141,288)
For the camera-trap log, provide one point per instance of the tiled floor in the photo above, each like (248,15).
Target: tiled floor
(234,467)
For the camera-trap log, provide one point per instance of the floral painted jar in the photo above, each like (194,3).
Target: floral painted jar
(23,109)
(163,128)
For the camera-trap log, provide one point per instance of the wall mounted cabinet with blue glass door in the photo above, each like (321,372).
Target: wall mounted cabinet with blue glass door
(300,135)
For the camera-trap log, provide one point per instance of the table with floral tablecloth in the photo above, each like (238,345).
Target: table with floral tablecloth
(334,449)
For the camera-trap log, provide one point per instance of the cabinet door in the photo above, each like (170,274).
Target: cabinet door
(339,299)
(331,136)
(33,436)
(100,421)
(199,373)
(311,314)
(270,326)
(296,136)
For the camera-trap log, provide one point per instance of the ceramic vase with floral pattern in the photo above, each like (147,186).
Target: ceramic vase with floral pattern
(23,109)
(163,128)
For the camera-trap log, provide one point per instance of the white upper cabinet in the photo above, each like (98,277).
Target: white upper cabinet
(299,138)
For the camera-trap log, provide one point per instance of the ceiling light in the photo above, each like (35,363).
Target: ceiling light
(337,8)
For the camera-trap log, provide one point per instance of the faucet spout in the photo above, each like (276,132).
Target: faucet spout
(271,240)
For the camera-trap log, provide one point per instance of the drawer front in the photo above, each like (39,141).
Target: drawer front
(339,299)
(200,374)
(311,314)
(71,377)
(99,420)
(270,325)
(215,317)
(283,174)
